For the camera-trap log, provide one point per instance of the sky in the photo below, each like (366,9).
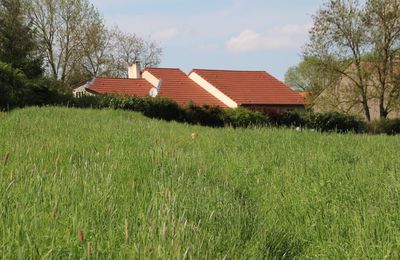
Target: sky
(218,34)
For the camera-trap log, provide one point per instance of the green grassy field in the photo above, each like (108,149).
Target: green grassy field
(113,184)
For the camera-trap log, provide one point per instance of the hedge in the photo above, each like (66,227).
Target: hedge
(337,122)
(212,116)
(385,126)
(166,109)
(322,122)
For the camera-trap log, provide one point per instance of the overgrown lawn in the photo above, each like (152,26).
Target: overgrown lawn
(114,184)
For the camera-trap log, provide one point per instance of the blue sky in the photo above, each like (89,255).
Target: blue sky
(218,34)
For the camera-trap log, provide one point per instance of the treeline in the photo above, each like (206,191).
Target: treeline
(48,45)
(354,47)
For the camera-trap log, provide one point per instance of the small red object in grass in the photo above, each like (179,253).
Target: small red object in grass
(80,236)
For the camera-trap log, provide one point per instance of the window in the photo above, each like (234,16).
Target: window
(79,94)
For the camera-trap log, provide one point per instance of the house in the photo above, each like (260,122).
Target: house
(344,97)
(176,85)
(129,87)
(256,90)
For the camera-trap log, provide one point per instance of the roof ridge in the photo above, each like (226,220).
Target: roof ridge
(172,68)
(118,78)
(232,70)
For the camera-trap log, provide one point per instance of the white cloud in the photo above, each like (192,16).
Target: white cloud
(288,36)
(165,34)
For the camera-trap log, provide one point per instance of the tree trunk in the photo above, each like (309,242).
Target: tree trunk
(366,107)
(383,113)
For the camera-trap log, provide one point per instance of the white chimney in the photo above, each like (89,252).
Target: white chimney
(134,71)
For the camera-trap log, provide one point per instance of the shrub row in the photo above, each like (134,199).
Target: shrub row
(385,126)
(166,109)
(323,122)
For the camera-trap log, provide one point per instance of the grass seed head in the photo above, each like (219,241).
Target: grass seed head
(5,158)
(108,149)
(126,229)
(81,237)
(54,210)
(89,248)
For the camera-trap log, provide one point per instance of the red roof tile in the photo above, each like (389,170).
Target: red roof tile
(178,86)
(251,87)
(131,87)
(305,95)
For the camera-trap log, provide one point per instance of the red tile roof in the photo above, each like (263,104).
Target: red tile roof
(251,87)
(305,95)
(131,87)
(178,86)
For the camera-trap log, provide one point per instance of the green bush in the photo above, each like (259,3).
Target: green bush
(240,117)
(13,84)
(166,109)
(336,122)
(46,92)
(18,91)
(385,126)
(88,101)
(163,108)
(291,119)
(205,115)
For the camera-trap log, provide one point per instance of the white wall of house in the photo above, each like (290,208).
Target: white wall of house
(151,78)
(212,90)
(81,91)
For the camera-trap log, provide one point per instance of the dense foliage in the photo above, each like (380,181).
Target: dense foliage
(166,109)
(386,126)
(18,45)
(19,91)
(13,84)
(323,122)
(337,122)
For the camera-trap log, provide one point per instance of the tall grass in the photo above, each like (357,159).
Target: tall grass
(113,184)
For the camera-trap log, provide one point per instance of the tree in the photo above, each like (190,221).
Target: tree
(17,42)
(129,49)
(309,76)
(383,21)
(361,42)
(12,84)
(96,48)
(78,45)
(60,25)
(339,40)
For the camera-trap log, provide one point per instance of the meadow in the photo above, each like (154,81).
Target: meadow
(114,184)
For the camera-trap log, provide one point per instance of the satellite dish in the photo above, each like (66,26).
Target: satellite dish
(153,92)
